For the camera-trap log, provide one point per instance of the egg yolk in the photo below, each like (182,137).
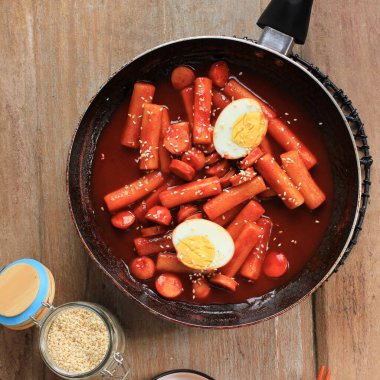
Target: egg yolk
(196,252)
(249,129)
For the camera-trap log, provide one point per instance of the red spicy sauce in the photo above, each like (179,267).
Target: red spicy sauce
(297,232)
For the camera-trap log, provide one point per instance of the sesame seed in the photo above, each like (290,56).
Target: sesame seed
(77,340)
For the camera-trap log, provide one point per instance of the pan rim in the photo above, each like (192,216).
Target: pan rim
(279,55)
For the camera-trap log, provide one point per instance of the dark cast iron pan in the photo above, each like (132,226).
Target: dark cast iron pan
(284,22)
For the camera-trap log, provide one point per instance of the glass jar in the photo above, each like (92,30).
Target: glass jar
(113,365)
(78,340)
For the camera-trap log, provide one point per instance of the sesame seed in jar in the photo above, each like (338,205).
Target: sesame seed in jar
(77,340)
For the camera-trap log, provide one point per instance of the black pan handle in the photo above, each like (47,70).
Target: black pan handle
(288,16)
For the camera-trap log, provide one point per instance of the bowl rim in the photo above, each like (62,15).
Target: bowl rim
(174,371)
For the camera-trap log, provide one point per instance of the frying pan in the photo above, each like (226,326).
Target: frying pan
(285,22)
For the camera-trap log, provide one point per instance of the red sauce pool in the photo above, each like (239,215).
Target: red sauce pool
(114,166)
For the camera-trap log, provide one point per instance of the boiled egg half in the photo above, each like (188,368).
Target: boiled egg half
(240,127)
(202,244)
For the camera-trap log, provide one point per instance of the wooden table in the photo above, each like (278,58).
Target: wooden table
(54,55)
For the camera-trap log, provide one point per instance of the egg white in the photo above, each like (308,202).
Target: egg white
(218,236)
(223,142)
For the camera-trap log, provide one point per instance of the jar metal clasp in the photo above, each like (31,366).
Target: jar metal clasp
(49,309)
(117,368)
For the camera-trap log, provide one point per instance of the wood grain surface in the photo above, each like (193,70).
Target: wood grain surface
(54,55)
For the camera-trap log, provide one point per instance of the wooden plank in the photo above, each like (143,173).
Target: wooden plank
(19,168)
(344,41)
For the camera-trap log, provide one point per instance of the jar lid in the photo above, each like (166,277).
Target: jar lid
(25,285)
